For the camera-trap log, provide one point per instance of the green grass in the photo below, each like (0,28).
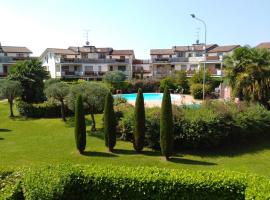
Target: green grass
(27,142)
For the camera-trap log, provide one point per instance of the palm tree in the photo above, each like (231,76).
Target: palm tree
(248,73)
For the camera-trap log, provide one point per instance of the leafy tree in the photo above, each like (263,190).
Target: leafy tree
(166,125)
(198,77)
(182,81)
(80,129)
(115,79)
(31,75)
(59,92)
(109,123)
(139,119)
(93,95)
(10,89)
(248,73)
(51,81)
(168,82)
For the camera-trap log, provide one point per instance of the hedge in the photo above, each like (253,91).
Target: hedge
(212,125)
(110,182)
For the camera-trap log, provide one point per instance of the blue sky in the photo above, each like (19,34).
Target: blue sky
(138,24)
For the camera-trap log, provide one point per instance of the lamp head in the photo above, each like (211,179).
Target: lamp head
(192,15)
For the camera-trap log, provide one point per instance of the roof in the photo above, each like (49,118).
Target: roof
(15,49)
(194,47)
(61,51)
(226,48)
(122,52)
(104,50)
(161,52)
(264,45)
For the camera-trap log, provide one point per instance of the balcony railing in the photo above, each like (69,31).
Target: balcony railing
(169,60)
(88,60)
(6,59)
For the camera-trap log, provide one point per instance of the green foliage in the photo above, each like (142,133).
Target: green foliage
(51,81)
(100,182)
(166,125)
(168,82)
(182,81)
(147,85)
(10,89)
(58,91)
(93,95)
(115,78)
(31,75)
(119,100)
(109,123)
(139,119)
(198,77)
(248,73)
(80,129)
(46,109)
(212,125)
(197,90)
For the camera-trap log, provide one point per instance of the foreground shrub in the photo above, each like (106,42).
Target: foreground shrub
(169,82)
(97,182)
(80,129)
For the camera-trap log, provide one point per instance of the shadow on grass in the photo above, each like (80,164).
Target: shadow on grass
(97,134)
(133,152)
(22,118)
(189,162)
(251,147)
(4,130)
(98,154)
(1,138)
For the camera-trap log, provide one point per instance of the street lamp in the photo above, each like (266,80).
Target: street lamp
(198,19)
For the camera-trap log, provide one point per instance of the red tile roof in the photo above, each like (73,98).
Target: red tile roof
(226,48)
(14,49)
(264,45)
(61,51)
(161,52)
(122,52)
(194,47)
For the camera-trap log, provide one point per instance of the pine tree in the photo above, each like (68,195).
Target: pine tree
(166,125)
(80,128)
(139,118)
(109,123)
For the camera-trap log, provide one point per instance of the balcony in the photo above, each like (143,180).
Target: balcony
(170,60)
(88,60)
(6,59)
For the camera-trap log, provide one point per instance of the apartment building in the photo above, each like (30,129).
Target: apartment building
(189,58)
(9,55)
(87,62)
(265,45)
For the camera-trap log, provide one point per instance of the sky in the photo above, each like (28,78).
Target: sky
(132,24)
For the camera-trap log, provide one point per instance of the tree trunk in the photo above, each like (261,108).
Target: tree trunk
(93,128)
(63,111)
(11,108)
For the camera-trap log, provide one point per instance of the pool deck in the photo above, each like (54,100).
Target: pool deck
(177,99)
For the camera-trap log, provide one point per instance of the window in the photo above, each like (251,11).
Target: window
(190,55)
(122,68)
(110,57)
(220,54)
(111,68)
(101,56)
(122,57)
(84,55)
(181,54)
(199,54)
(159,56)
(99,68)
(20,55)
(170,56)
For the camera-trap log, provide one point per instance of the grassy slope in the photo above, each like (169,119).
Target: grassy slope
(49,141)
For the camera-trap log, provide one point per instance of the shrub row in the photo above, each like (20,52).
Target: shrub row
(96,182)
(212,125)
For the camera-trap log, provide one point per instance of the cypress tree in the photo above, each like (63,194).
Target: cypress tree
(109,123)
(166,125)
(80,128)
(139,118)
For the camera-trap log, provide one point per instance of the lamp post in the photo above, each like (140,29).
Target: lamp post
(198,19)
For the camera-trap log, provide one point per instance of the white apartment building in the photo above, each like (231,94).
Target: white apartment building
(189,58)
(9,55)
(87,62)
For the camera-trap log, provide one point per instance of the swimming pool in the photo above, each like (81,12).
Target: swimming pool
(146,96)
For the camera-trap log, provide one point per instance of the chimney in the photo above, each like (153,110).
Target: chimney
(197,42)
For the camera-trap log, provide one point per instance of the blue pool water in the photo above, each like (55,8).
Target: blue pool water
(147,96)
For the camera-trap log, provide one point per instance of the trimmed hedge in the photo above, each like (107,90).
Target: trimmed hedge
(96,182)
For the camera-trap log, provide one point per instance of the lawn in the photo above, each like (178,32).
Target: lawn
(27,142)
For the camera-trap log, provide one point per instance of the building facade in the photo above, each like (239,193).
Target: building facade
(87,62)
(9,55)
